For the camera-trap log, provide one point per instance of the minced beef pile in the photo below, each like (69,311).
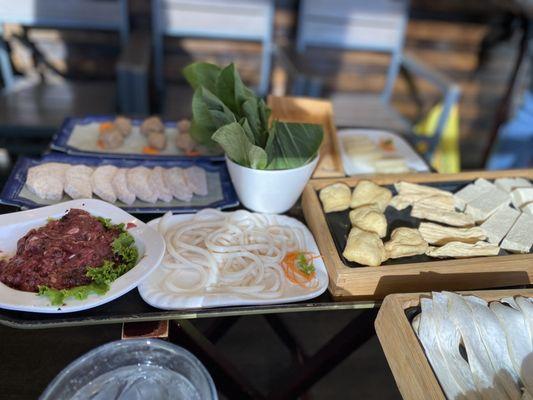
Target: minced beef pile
(58,254)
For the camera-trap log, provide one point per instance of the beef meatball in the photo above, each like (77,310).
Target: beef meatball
(157,140)
(152,124)
(184,125)
(123,125)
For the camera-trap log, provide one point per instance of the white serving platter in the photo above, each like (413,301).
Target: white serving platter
(157,295)
(13,226)
(402,149)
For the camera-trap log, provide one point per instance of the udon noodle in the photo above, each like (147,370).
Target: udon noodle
(237,252)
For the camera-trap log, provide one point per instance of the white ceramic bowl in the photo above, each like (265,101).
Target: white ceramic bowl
(269,191)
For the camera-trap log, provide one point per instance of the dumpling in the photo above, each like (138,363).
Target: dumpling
(197,180)
(121,188)
(47,181)
(138,179)
(102,182)
(369,218)
(157,184)
(176,182)
(367,192)
(405,242)
(78,182)
(335,197)
(364,248)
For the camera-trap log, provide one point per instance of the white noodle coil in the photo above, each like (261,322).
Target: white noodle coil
(237,252)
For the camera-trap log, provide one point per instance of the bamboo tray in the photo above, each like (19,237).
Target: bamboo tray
(313,111)
(450,274)
(405,355)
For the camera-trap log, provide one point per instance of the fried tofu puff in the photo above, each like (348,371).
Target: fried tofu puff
(364,248)
(405,242)
(367,192)
(335,197)
(369,218)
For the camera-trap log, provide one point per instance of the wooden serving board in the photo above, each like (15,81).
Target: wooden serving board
(450,274)
(405,355)
(313,111)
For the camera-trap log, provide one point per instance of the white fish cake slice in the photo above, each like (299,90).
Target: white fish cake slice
(138,179)
(175,180)
(121,188)
(47,181)
(102,182)
(78,182)
(158,185)
(197,180)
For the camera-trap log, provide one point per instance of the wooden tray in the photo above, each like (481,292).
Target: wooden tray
(451,274)
(306,110)
(405,355)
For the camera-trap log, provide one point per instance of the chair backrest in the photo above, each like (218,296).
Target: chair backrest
(69,14)
(366,25)
(250,20)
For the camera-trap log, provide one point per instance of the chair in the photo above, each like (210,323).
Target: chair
(241,20)
(372,26)
(32,107)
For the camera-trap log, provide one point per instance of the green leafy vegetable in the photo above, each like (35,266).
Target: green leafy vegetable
(58,297)
(226,112)
(306,267)
(102,277)
(235,142)
(291,145)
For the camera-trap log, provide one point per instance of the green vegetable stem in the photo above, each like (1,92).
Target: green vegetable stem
(227,113)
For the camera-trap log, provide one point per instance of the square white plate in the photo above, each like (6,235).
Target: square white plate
(149,242)
(156,294)
(402,149)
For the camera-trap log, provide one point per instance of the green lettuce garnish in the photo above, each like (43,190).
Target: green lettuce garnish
(227,113)
(102,277)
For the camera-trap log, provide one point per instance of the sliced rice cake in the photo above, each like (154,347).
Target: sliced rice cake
(487,204)
(520,237)
(521,196)
(499,224)
(509,184)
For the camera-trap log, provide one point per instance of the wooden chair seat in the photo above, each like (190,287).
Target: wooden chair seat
(34,107)
(368,111)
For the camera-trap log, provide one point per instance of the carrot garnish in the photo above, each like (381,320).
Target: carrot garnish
(298,267)
(106,126)
(150,150)
(192,153)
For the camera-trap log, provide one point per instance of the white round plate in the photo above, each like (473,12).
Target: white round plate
(157,295)
(149,242)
